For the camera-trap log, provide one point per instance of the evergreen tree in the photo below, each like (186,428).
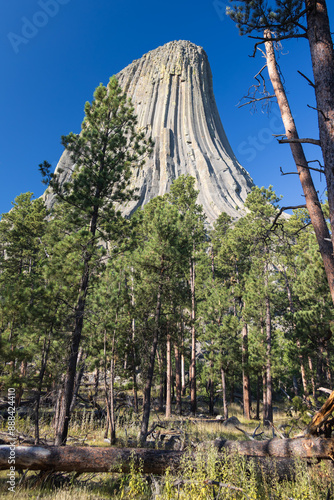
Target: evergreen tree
(104,155)
(301,19)
(183,196)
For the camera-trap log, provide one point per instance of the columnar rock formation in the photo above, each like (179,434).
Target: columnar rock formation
(171,90)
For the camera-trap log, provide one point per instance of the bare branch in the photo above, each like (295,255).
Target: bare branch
(257,90)
(278,39)
(323,389)
(304,76)
(246,433)
(316,142)
(256,100)
(320,111)
(287,173)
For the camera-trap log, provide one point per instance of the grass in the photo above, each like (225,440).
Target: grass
(203,478)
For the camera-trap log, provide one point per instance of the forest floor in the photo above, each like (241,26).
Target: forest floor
(199,479)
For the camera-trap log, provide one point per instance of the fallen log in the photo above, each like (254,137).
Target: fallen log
(151,461)
(321,417)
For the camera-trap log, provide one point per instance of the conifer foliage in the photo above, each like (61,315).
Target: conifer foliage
(104,155)
(161,303)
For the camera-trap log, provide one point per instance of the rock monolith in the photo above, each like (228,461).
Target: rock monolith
(172,93)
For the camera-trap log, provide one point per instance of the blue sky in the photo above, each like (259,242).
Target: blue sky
(54,54)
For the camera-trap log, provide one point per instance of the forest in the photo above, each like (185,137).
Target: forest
(240,311)
(126,330)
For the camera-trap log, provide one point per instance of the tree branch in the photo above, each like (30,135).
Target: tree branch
(278,39)
(320,111)
(304,76)
(254,99)
(281,211)
(316,142)
(287,173)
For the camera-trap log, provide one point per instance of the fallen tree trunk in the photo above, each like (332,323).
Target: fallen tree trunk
(94,459)
(321,417)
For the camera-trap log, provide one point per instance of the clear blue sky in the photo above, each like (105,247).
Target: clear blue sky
(54,53)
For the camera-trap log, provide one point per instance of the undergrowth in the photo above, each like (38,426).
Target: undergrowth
(204,473)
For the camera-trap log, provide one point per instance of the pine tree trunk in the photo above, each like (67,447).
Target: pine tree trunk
(112,394)
(258,385)
(264,385)
(322,56)
(183,372)
(45,355)
(302,369)
(193,403)
(162,376)
(310,193)
(64,413)
(211,395)
(150,370)
(269,398)
(310,364)
(106,391)
(134,354)
(78,379)
(225,407)
(169,377)
(96,386)
(178,380)
(245,373)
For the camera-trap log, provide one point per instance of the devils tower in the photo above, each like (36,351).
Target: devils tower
(172,94)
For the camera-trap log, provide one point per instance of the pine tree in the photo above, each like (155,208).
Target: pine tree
(23,297)
(300,19)
(159,259)
(183,196)
(104,155)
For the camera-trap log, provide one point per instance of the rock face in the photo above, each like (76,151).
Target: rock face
(171,90)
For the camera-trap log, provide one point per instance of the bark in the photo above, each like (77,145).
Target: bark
(225,407)
(67,395)
(310,364)
(211,387)
(193,403)
(106,391)
(133,349)
(149,461)
(78,379)
(322,56)
(183,375)
(169,377)
(302,368)
(178,380)
(45,355)
(96,386)
(245,373)
(162,374)
(310,193)
(112,393)
(268,413)
(258,385)
(150,370)
(264,385)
